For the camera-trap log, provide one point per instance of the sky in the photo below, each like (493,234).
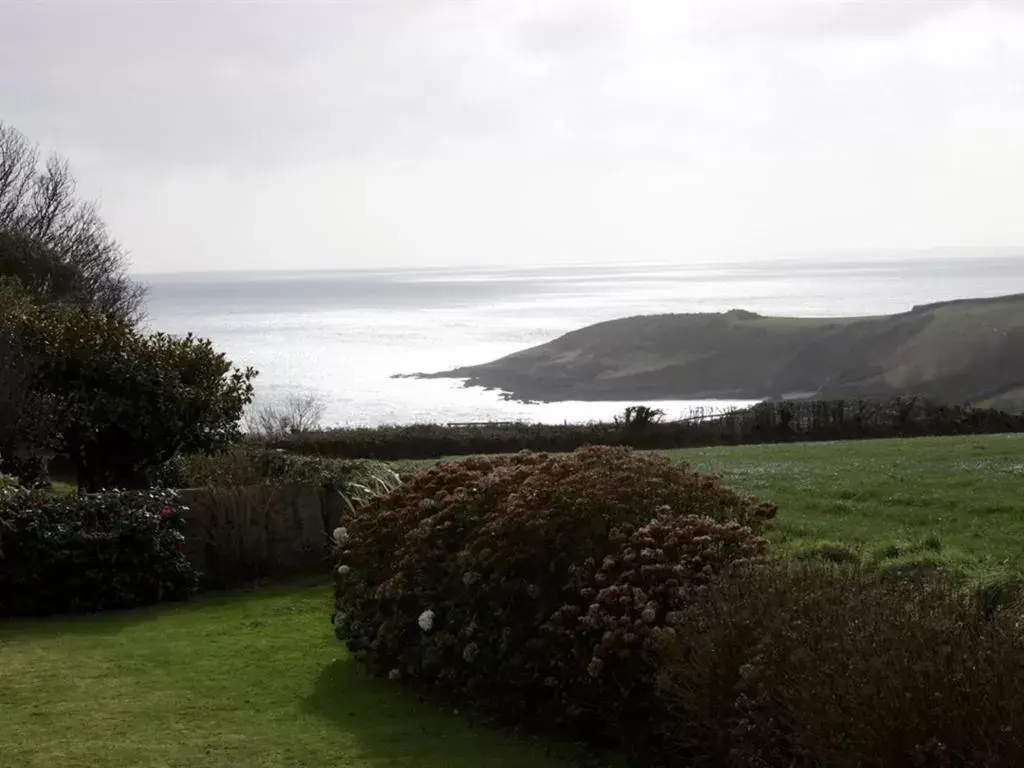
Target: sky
(314,135)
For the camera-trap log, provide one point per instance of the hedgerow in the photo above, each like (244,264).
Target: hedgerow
(251,464)
(771,422)
(116,549)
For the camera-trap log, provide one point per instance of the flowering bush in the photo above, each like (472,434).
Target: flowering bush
(535,586)
(116,549)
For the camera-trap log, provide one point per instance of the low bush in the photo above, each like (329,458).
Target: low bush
(534,586)
(248,464)
(818,665)
(87,553)
(30,470)
(355,482)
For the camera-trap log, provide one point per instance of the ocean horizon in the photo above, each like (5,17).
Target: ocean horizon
(342,335)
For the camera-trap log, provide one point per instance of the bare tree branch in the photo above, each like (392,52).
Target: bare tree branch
(298,413)
(18,162)
(42,204)
(51,202)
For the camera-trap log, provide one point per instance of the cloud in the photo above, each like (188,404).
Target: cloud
(326,133)
(796,20)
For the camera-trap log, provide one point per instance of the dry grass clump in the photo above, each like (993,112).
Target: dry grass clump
(825,666)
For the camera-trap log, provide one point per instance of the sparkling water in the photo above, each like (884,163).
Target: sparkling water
(342,335)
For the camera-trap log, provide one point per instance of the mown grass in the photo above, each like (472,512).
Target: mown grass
(254,679)
(64,488)
(955,501)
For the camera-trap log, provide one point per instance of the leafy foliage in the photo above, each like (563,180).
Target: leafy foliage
(117,549)
(126,401)
(534,586)
(27,416)
(38,270)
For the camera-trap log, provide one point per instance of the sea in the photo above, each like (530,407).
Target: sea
(342,335)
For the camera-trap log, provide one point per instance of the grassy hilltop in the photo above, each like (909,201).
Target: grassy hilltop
(967,350)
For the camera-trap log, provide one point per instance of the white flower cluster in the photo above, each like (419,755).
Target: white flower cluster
(426,620)
(341,536)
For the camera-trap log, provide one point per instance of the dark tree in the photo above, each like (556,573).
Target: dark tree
(56,244)
(28,417)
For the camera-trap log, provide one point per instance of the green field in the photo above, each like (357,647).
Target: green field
(955,499)
(231,680)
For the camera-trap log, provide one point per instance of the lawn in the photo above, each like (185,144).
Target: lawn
(958,499)
(252,679)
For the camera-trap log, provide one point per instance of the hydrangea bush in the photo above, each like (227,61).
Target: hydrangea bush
(537,586)
(117,549)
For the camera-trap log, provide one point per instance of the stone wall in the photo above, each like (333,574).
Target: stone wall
(236,536)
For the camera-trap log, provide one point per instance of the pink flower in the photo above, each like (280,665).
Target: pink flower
(167,512)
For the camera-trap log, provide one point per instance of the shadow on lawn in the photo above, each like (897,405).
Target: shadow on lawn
(112,622)
(346,694)
(388,717)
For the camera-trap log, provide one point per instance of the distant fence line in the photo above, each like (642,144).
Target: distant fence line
(703,413)
(695,413)
(767,422)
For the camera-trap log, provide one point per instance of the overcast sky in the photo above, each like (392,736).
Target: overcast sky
(241,135)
